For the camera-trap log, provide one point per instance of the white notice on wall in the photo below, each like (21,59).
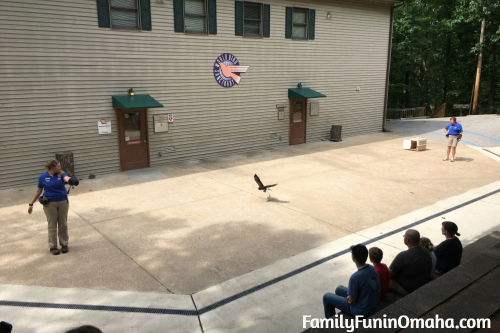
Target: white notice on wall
(104,126)
(170,118)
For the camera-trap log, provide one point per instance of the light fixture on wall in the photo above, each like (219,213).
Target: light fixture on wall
(299,85)
(329,15)
(131,92)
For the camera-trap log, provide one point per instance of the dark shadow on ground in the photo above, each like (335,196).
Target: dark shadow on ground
(271,199)
(144,253)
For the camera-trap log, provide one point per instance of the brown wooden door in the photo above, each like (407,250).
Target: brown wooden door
(297,121)
(133,139)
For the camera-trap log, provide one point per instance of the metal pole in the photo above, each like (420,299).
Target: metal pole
(479,64)
(386,97)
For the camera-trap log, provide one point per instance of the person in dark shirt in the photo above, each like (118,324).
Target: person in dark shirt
(362,296)
(449,252)
(383,272)
(411,269)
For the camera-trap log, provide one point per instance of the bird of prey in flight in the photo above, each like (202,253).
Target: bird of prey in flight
(262,187)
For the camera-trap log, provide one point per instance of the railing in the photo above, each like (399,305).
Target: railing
(407,113)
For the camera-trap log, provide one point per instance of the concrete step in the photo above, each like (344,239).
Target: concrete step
(472,290)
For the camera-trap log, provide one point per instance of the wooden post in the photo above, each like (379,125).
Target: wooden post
(67,162)
(478,73)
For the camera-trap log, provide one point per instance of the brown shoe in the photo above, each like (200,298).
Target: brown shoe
(64,249)
(54,251)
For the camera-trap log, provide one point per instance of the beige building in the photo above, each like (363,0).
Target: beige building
(67,66)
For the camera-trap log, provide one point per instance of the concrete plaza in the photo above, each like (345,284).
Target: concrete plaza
(189,235)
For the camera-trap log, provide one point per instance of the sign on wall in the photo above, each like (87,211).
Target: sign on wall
(227,70)
(104,126)
(160,123)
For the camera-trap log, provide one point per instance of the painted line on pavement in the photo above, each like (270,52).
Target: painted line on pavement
(243,293)
(489,151)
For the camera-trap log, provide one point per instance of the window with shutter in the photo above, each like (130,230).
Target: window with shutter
(124,14)
(252,19)
(195,16)
(300,20)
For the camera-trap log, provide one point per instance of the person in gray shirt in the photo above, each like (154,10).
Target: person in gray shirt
(412,268)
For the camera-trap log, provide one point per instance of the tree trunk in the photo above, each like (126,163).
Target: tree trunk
(407,90)
(494,79)
(448,54)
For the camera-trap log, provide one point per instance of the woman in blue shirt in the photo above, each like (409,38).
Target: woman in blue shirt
(56,210)
(454,134)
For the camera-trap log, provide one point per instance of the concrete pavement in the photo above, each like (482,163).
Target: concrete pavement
(202,228)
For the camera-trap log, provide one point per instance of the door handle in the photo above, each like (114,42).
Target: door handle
(145,141)
(291,124)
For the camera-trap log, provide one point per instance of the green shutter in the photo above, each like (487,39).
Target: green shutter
(238,18)
(267,21)
(212,17)
(145,15)
(288,22)
(312,18)
(103,14)
(178,15)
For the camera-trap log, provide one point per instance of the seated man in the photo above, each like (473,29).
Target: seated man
(411,269)
(362,296)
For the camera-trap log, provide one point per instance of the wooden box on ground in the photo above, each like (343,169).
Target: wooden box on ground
(417,144)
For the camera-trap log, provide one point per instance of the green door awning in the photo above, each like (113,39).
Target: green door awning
(304,93)
(128,102)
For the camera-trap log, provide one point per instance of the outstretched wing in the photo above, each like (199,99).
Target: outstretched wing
(268,186)
(257,180)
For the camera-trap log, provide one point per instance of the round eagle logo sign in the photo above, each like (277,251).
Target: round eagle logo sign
(227,70)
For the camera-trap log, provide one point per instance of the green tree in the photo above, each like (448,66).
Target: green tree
(435,51)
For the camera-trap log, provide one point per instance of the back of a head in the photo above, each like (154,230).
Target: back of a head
(451,227)
(360,253)
(426,242)
(376,255)
(413,236)
(85,329)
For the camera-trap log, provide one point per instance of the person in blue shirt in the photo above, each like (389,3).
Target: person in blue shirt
(454,133)
(52,183)
(362,296)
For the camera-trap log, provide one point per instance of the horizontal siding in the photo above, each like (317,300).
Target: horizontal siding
(58,71)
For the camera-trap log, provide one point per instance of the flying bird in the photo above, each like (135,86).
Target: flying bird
(262,187)
(228,71)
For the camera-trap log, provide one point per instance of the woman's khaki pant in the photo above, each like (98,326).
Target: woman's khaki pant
(57,216)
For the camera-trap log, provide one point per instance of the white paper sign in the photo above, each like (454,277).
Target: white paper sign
(104,126)
(170,118)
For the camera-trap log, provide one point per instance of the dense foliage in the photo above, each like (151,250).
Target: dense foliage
(435,51)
